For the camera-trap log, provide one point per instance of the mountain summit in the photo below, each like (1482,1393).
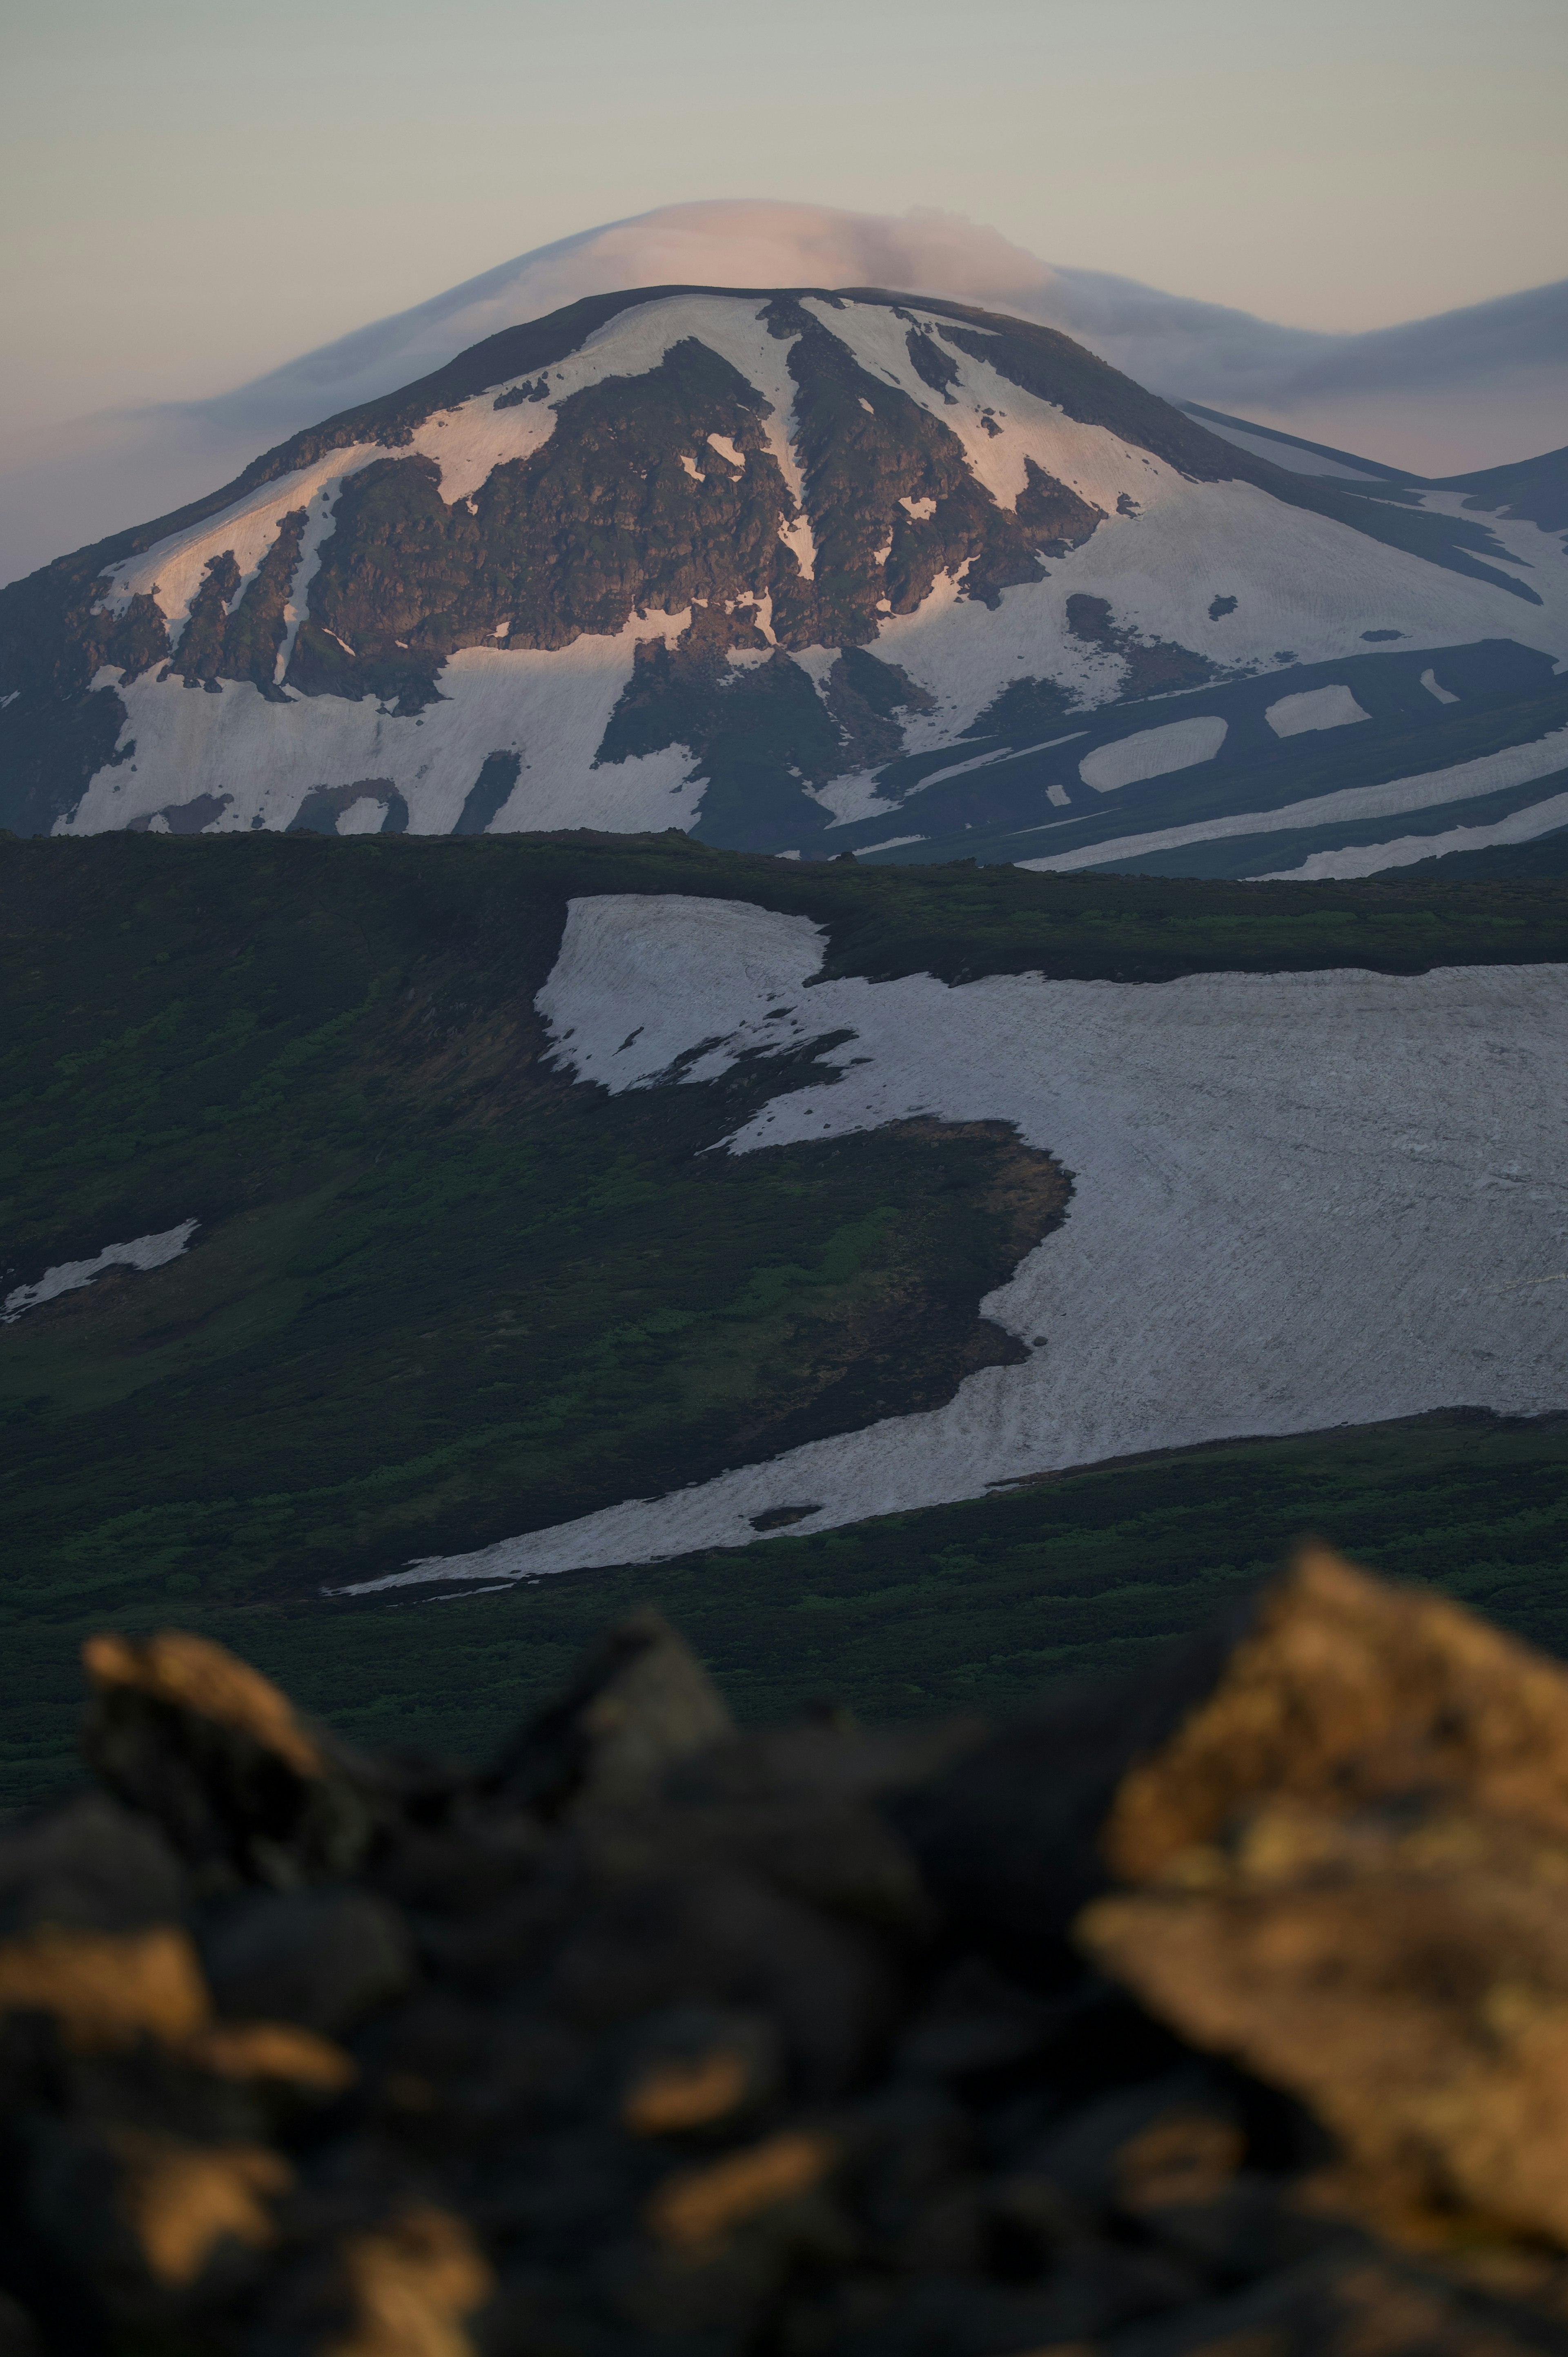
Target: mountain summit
(802,572)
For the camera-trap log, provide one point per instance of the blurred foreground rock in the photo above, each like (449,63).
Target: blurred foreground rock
(1223,2012)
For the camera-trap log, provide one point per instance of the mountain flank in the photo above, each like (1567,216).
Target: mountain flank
(798,571)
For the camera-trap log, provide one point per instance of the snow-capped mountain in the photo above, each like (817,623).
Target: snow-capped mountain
(804,572)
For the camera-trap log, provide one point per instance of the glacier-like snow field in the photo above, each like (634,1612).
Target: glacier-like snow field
(1300,1200)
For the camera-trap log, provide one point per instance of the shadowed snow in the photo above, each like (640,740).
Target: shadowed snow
(1405,850)
(1517,765)
(1319,707)
(1153,753)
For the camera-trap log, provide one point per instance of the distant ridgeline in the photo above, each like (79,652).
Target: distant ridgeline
(781,1241)
(805,572)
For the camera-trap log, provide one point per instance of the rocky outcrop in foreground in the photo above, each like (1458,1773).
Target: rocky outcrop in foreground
(1225,2012)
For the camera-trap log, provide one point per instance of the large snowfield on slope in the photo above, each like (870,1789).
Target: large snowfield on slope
(1304,582)
(1300,1200)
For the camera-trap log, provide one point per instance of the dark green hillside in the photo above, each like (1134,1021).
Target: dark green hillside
(971,1607)
(438,1295)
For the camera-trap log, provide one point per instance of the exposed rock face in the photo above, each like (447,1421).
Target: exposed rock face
(660,2038)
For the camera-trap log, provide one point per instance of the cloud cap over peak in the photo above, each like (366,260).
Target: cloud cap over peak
(1469,387)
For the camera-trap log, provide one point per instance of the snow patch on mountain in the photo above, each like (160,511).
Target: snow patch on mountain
(1264,1166)
(550,709)
(1517,765)
(1152,752)
(1319,707)
(1371,858)
(170,572)
(1297,589)
(71,1276)
(469,443)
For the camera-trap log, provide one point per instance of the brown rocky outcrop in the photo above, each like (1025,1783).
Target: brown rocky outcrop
(1222,2014)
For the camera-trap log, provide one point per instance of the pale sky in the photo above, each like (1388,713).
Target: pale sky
(193,191)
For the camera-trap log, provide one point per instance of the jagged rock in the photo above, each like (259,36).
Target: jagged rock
(660,2045)
(1355,2306)
(1403,1969)
(701,2069)
(411,2282)
(245,1790)
(1355,1854)
(1009,1840)
(640,1702)
(107,1988)
(1343,1690)
(729,1939)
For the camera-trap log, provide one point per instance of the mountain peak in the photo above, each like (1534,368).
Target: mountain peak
(768,563)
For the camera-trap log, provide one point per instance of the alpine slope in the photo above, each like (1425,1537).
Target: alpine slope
(1300,1200)
(810,572)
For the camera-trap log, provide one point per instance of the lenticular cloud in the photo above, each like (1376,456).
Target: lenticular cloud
(1185,350)
(1471,388)
(749,243)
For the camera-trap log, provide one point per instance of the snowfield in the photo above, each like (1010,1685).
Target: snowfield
(550,709)
(1299,1199)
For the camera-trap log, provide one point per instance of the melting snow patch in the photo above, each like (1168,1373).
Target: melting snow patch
(1517,765)
(1265,1165)
(1372,859)
(1317,707)
(366,816)
(984,760)
(1152,752)
(141,1251)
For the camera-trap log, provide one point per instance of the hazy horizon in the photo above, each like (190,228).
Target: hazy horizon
(197,201)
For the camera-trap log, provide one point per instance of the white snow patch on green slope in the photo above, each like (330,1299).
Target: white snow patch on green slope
(1300,1200)
(71,1276)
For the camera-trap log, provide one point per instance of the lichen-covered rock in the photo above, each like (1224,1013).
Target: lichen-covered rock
(1353,1867)
(1345,1690)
